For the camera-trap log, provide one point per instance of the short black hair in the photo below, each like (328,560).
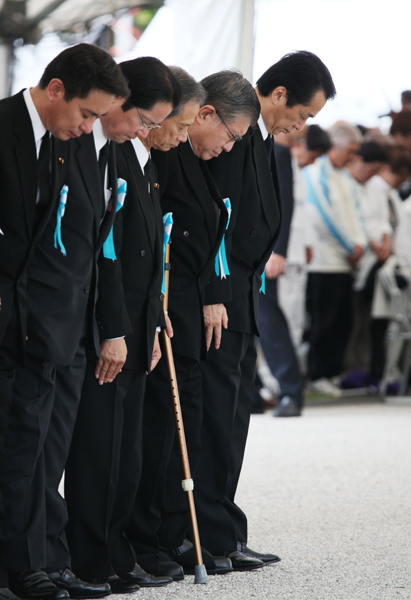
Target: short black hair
(373,152)
(150,81)
(406,96)
(302,73)
(84,68)
(191,90)
(317,139)
(232,96)
(401,123)
(399,161)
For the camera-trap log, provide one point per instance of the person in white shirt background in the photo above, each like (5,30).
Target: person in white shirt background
(339,242)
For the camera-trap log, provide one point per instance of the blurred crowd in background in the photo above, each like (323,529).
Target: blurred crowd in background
(348,255)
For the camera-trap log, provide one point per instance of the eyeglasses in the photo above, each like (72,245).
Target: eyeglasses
(233,138)
(150,127)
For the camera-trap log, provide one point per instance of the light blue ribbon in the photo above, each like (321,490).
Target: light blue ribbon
(168,226)
(60,214)
(108,246)
(221,264)
(262,288)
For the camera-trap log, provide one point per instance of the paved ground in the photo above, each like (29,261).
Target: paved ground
(331,494)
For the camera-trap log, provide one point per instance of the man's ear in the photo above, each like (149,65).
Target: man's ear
(55,90)
(279,95)
(206,112)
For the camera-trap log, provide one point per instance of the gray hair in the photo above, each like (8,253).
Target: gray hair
(190,89)
(232,96)
(343,134)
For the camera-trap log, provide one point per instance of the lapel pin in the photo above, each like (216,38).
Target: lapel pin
(156,186)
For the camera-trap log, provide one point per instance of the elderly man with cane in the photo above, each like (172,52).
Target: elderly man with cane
(160,518)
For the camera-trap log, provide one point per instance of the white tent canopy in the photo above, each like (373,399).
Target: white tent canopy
(201,36)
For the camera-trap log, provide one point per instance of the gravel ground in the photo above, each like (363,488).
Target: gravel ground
(331,494)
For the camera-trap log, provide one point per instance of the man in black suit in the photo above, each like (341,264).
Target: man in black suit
(274,333)
(161,518)
(293,152)
(33,166)
(110,446)
(60,293)
(291,91)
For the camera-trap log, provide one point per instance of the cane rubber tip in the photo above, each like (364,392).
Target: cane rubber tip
(200,574)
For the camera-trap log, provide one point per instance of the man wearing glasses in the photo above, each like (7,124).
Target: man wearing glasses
(105,450)
(161,518)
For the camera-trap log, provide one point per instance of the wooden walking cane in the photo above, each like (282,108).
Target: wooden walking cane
(187,483)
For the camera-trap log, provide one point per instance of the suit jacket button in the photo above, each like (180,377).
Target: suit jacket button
(161,297)
(87,289)
(142,253)
(186,233)
(253,233)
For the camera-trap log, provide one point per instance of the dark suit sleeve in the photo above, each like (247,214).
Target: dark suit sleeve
(285,176)
(111,312)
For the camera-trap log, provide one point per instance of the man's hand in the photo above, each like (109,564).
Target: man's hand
(169,327)
(113,355)
(275,266)
(215,316)
(355,255)
(155,357)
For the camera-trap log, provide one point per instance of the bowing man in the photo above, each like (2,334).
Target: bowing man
(289,92)
(61,281)
(105,455)
(161,518)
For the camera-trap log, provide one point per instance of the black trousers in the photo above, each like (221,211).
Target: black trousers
(160,516)
(103,473)
(9,358)
(41,423)
(330,307)
(228,382)
(277,346)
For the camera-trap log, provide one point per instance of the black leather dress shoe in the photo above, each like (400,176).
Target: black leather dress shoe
(265,558)
(288,407)
(6,594)
(241,562)
(119,586)
(185,556)
(35,585)
(160,564)
(77,588)
(143,579)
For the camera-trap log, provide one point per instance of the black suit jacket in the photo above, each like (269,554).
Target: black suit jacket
(18,194)
(138,270)
(200,220)
(62,287)
(251,182)
(285,176)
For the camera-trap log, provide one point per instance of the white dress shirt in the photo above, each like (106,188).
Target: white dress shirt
(38,128)
(101,140)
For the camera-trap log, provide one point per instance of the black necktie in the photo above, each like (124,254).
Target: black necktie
(43,164)
(269,146)
(102,164)
(147,174)
(43,173)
